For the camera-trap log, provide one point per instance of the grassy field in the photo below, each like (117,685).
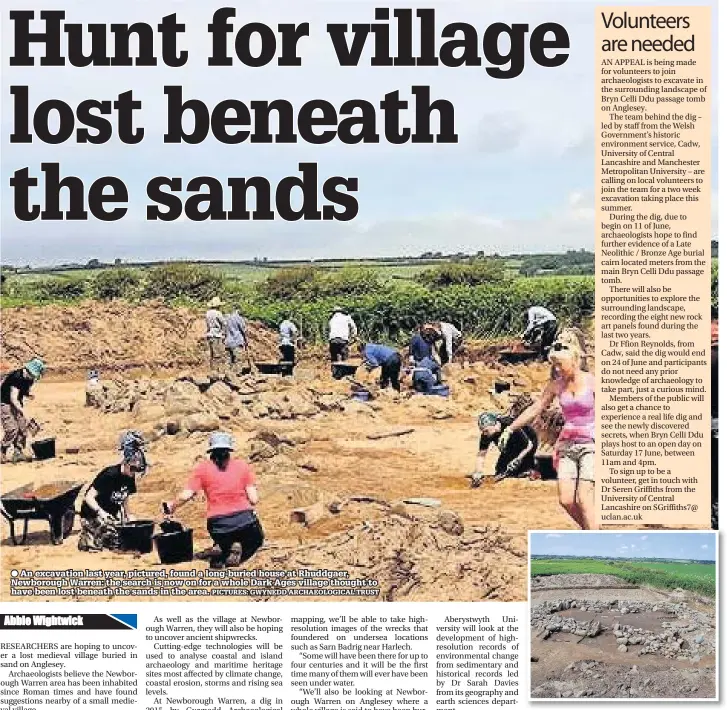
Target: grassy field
(695,577)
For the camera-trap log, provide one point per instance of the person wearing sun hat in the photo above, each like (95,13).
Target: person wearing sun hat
(215,335)
(230,488)
(516,459)
(14,390)
(574,453)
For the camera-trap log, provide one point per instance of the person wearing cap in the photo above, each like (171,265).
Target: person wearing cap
(215,336)
(574,454)
(375,355)
(341,332)
(106,503)
(14,390)
(235,338)
(516,459)
(230,488)
(287,340)
(542,328)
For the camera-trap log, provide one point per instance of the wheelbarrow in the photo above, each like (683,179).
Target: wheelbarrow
(54,502)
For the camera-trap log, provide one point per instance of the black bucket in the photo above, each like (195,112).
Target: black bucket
(343,369)
(136,536)
(175,547)
(44,449)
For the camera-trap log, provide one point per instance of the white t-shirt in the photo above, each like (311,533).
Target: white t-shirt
(341,326)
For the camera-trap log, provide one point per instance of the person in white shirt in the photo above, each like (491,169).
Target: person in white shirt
(341,331)
(288,340)
(215,335)
(541,329)
(450,341)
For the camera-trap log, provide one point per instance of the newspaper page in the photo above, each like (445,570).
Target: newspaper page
(358,354)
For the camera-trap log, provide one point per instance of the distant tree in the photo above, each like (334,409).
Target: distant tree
(93,264)
(117,261)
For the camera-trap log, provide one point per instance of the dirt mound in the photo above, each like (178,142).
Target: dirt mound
(577,581)
(113,337)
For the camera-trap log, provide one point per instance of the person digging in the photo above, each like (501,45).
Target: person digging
(517,457)
(14,390)
(106,503)
(230,489)
(375,355)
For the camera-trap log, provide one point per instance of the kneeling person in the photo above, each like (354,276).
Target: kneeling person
(425,375)
(106,503)
(518,457)
(231,491)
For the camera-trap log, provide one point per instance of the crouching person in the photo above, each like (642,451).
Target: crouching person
(106,503)
(230,488)
(426,374)
(517,455)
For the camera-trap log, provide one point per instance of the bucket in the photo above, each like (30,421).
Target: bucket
(440,391)
(175,547)
(361,396)
(343,369)
(44,449)
(136,536)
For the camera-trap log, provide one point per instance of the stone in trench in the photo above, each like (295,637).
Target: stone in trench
(260,450)
(200,422)
(450,522)
(623,648)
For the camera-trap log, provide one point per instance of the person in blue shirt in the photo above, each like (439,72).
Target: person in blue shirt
(388,359)
(425,375)
(420,348)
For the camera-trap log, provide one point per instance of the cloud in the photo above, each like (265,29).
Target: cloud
(705,547)
(644,537)
(553,535)
(498,133)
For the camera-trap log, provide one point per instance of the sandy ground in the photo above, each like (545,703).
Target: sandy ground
(406,548)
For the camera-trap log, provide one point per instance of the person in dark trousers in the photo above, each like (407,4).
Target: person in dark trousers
(425,375)
(230,489)
(541,330)
(106,503)
(14,390)
(420,347)
(341,332)
(375,355)
(518,458)
(288,339)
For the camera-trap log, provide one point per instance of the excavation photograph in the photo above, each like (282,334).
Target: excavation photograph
(322,445)
(623,615)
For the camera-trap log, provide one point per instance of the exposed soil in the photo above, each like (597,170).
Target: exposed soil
(608,644)
(112,337)
(346,464)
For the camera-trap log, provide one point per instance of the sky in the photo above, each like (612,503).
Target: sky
(519,180)
(667,545)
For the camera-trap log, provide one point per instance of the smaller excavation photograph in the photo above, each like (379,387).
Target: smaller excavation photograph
(623,615)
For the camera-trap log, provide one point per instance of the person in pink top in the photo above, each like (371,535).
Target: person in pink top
(230,489)
(574,455)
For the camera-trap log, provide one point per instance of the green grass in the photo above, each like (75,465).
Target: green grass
(692,576)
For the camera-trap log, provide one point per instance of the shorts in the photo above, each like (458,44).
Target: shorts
(576,461)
